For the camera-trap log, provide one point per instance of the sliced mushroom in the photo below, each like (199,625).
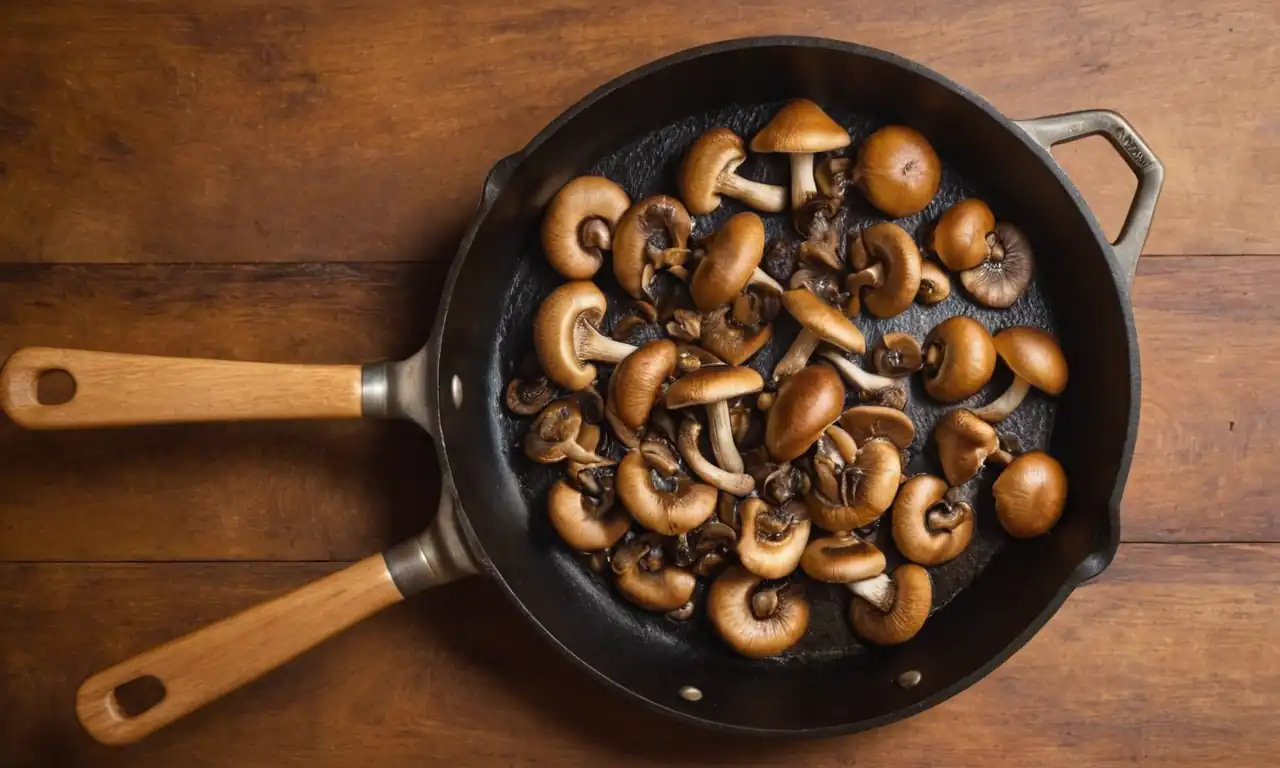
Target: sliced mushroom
(959,358)
(930,525)
(866,486)
(865,423)
(731,262)
(772,539)
(1030,494)
(714,386)
(887,391)
(960,236)
(710,170)
(528,396)
(842,558)
(935,286)
(586,523)
(554,435)
(738,484)
(638,381)
(819,322)
(732,342)
(566,335)
(965,443)
(898,170)
(645,578)
(888,264)
(897,355)
(806,404)
(888,611)
(801,129)
(758,619)
(660,497)
(579,224)
(652,235)
(1004,275)
(1036,361)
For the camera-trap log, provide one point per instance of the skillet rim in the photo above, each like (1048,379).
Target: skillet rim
(1090,567)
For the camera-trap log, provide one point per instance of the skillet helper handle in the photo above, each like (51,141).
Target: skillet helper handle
(203,666)
(124,390)
(1060,129)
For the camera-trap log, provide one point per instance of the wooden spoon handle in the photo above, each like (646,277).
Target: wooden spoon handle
(209,663)
(121,390)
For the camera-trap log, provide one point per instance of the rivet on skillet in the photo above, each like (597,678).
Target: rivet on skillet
(689,693)
(909,679)
(455,390)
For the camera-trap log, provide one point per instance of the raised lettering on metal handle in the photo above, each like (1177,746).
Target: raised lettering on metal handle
(1060,129)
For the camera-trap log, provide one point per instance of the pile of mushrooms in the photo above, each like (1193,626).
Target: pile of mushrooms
(685,461)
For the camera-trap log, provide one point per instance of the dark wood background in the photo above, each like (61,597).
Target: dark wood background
(255,180)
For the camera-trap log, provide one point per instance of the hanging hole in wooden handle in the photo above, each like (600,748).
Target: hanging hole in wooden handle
(55,387)
(139,695)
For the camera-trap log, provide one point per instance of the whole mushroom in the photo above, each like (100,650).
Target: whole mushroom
(554,436)
(731,262)
(898,170)
(758,619)
(858,469)
(965,443)
(842,558)
(935,286)
(883,390)
(710,170)
(566,335)
(930,525)
(806,404)
(586,523)
(1035,359)
(888,268)
(658,495)
(579,223)
(638,381)
(714,387)
(771,539)
(1030,494)
(889,611)
(800,129)
(652,235)
(959,358)
(1000,278)
(819,322)
(730,341)
(897,355)
(960,236)
(643,576)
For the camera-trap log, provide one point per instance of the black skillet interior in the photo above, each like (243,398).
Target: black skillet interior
(997,594)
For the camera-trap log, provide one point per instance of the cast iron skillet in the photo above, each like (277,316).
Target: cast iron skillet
(634,130)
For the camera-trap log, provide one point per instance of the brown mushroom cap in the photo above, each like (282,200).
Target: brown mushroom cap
(927,527)
(643,577)
(585,524)
(889,269)
(1035,356)
(756,628)
(636,252)
(960,237)
(999,279)
(868,488)
(935,286)
(865,423)
(898,170)
(800,127)
(842,558)
(579,224)
(565,335)
(732,257)
(556,434)
(1030,494)
(772,539)
(709,170)
(807,403)
(729,341)
(959,358)
(912,601)
(897,355)
(670,512)
(713,384)
(637,382)
(823,320)
(964,444)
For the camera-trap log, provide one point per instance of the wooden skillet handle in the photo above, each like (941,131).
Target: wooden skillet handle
(211,662)
(123,390)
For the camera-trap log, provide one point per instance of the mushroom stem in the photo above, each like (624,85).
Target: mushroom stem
(865,380)
(595,233)
(593,345)
(877,590)
(763,197)
(999,409)
(761,278)
(803,185)
(945,517)
(1000,457)
(764,603)
(726,452)
(798,354)
(738,484)
(871,276)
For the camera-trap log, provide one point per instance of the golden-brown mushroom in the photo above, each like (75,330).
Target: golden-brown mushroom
(897,355)
(888,611)
(660,497)
(959,358)
(771,539)
(586,523)
(528,396)
(931,526)
(554,436)
(731,262)
(807,403)
(714,387)
(652,235)
(566,335)
(710,170)
(645,578)
(865,423)
(736,483)
(1030,494)
(883,390)
(638,381)
(757,619)
(842,558)
(960,236)
(898,170)
(887,264)
(819,322)
(935,286)
(999,279)
(799,130)
(1036,361)
(965,443)
(853,491)
(731,342)
(579,224)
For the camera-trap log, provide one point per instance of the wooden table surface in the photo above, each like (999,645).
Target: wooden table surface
(253,180)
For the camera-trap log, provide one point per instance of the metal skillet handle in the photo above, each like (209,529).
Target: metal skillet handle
(1060,129)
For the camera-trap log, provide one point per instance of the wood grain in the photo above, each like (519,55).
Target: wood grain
(319,491)
(1162,662)
(258,130)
